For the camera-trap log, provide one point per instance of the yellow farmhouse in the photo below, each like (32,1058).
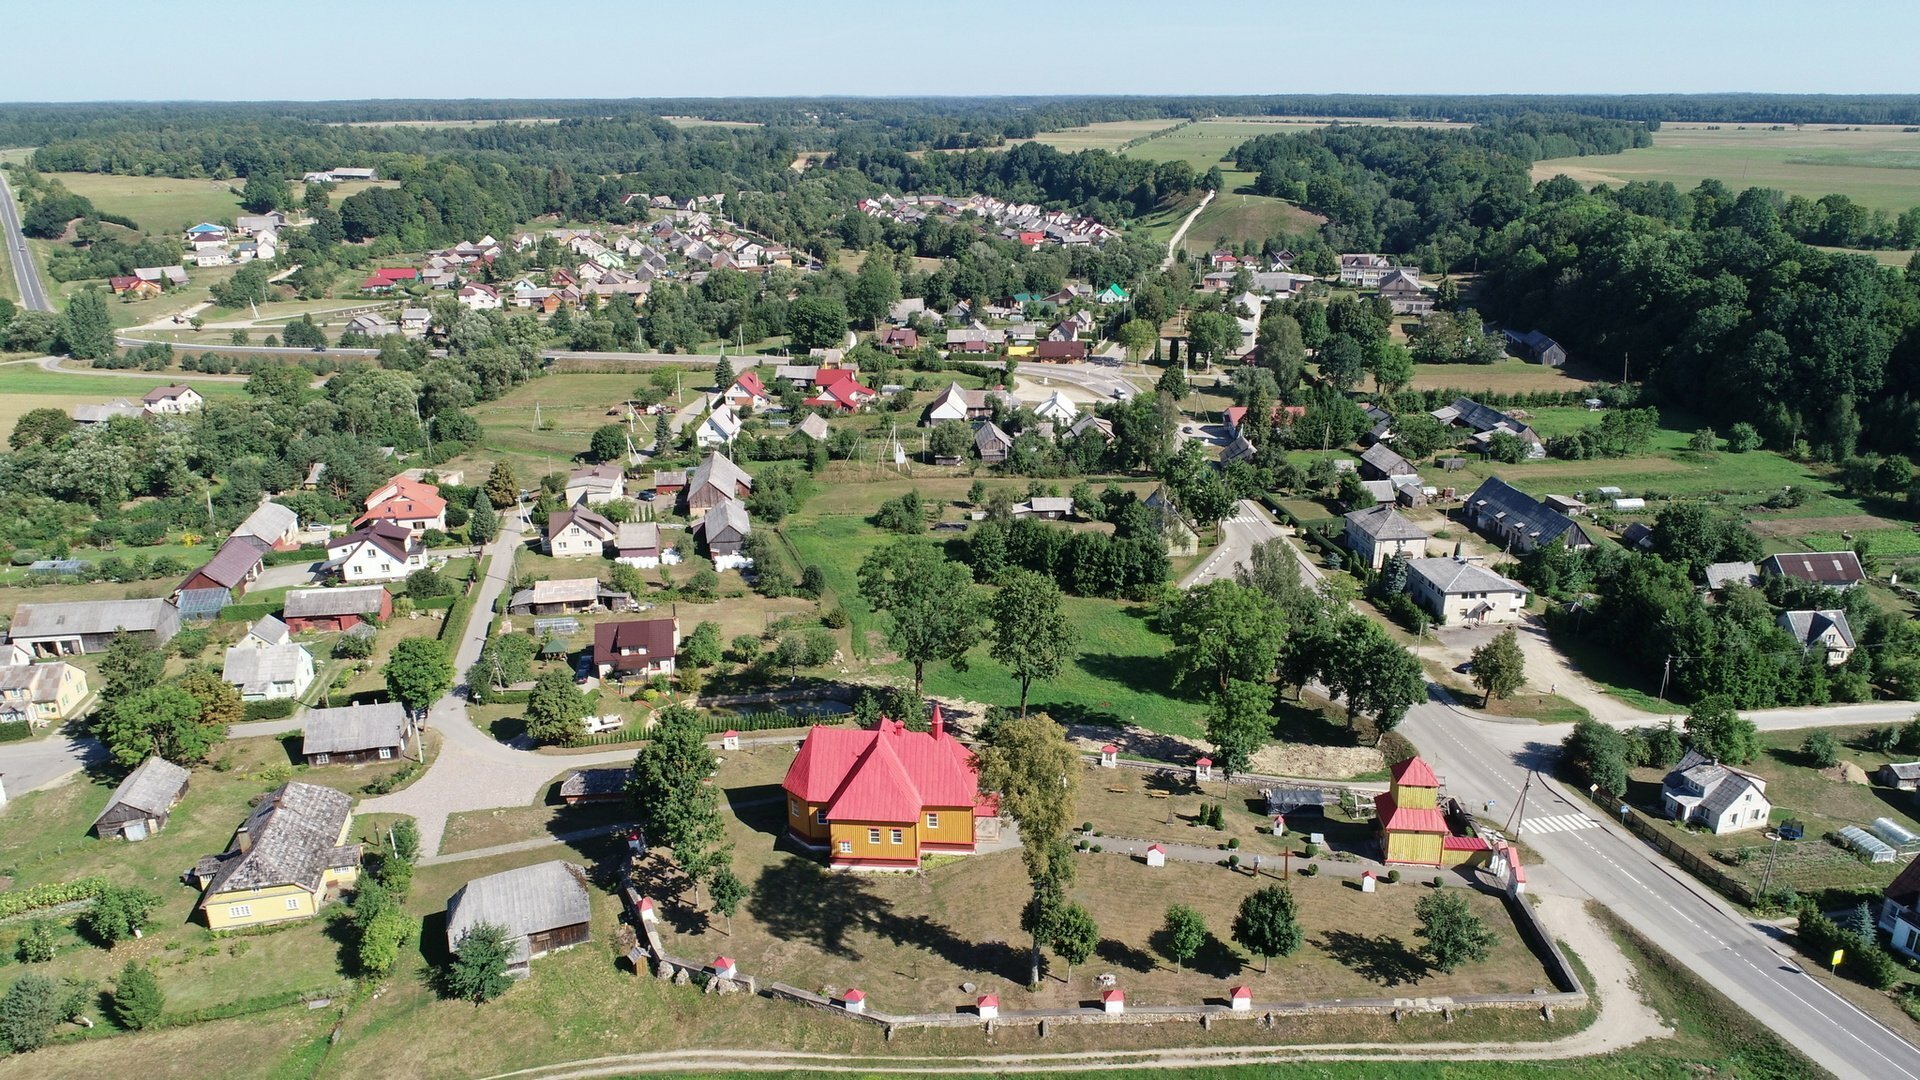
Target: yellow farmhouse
(288,859)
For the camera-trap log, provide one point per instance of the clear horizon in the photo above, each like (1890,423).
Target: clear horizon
(222,50)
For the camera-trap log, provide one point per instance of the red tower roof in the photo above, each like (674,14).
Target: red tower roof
(1413,772)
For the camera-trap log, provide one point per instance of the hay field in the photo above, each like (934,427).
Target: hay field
(1876,166)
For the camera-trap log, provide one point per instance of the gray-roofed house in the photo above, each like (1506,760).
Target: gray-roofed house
(1722,574)
(1381,463)
(813,427)
(354,733)
(79,627)
(1485,421)
(723,531)
(993,444)
(1378,533)
(1826,630)
(595,785)
(336,610)
(142,803)
(105,411)
(1047,507)
(1900,775)
(637,543)
(1240,449)
(1179,533)
(1457,591)
(287,860)
(273,525)
(569,596)
(266,631)
(268,672)
(1701,791)
(543,907)
(1519,521)
(578,531)
(717,480)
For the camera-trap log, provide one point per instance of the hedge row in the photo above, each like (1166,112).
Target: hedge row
(297,555)
(15,901)
(765,721)
(15,731)
(458,613)
(247,612)
(271,709)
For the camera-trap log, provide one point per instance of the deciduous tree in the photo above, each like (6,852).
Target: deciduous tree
(1455,935)
(1185,933)
(555,708)
(1036,771)
(1268,924)
(929,600)
(1239,722)
(676,804)
(418,672)
(1499,667)
(1075,936)
(1029,632)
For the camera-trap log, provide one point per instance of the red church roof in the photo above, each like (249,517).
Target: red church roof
(1407,818)
(888,774)
(1414,773)
(1464,843)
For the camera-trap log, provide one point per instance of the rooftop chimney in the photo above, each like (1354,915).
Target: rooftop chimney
(939,725)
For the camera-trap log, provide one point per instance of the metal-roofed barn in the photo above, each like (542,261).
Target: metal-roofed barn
(354,733)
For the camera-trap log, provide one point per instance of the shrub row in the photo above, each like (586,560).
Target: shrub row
(297,555)
(388,783)
(271,709)
(15,901)
(15,732)
(458,612)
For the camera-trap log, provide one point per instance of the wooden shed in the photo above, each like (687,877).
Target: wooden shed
(543,907)
(142,803)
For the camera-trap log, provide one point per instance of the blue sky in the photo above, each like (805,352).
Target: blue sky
(80,50)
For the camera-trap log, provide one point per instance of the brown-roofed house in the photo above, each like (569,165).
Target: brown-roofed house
(636,648)
(142,803)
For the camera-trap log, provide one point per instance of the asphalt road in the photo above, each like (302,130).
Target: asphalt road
(33,294)
(1483,759)
(1239,533)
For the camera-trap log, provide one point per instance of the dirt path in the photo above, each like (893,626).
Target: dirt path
(1180,233)
(1624,1019)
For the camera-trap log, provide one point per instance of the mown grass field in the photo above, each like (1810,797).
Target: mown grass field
(1509,376)
(1876,166)
(26,386)
(1233,219)
(161,204)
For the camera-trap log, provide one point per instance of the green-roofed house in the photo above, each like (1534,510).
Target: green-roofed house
(1112,294)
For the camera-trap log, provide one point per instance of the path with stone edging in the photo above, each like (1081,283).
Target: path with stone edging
(1623,1019)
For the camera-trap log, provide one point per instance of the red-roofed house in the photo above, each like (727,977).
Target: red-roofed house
(839,388)
(1282,416)
(410,504)
(879,800)
(1412,828)
(748,393)
(385,279)
(138,286)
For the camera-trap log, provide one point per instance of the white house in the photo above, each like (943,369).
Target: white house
(479,297)
(172,400)
(1701,791)
(1057,408)
(1378,533)
(381,551)
(267,672)
(1900,910)
(1459,592)
(577,532)
(595,485)
(720,428)
(1825,630)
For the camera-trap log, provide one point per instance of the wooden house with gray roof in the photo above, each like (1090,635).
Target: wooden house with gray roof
(354,733)
(544,907)
(143,802)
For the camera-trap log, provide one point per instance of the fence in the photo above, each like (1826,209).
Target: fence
(1660,835)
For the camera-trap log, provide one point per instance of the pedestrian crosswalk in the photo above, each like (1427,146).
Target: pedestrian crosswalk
(1559,823)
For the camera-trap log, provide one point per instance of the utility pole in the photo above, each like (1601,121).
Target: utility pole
(1665,670)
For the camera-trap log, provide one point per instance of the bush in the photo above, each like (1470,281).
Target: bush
(36,945)
(1233,862)
(835,618)
(1312,869)
(17,901)
(1233,842)
(270,709)
(189,644)
(1822,748)
(1393,877)
(1097,849)
(1437,881)
(1310,851)
(118,913)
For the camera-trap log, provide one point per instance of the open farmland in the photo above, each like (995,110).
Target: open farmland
(1108,136)
(1876,166)
(1235,219)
